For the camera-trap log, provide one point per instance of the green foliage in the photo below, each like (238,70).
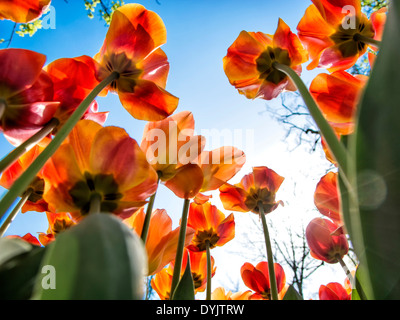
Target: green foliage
(19,271)
(374,4)
(99,259)
(185,287)
(29,28)
(372,214)
(105,11)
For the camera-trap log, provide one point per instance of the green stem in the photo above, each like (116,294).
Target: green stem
(95,203)
(181,246)
(209,271)
(346,271)
(335,146)
(15,211)
(147,218)
(367,40)
(21,184)
(28,144)
(270,257)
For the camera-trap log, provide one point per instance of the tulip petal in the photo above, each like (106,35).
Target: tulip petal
(148,101)
(15,63)
(187,182)
(22,11)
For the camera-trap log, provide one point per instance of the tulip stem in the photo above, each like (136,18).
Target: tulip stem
(147,218)
(209,271)
(21,184)
(270,257)
(336,147)
(15,211)
(28,144)
(367,40)
(346,271)
(181,246)
(95,203)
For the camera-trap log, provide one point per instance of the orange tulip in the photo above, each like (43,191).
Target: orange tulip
(161,240)
(333,291)
(161,284)
(187,181)
(326,197)
(73,80)
(208,172)
(325,240)
(28,238)
(198,268)
(219,166)
(35,201)
(220,294)
(175,143)
(338,95)
(58,222)
(210,225)
(102,164)
(22,11)
(335,37)
(132,49)
(258,187)
(257,279)
(249,63)
(26,94)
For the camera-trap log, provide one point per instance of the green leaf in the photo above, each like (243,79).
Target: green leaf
(185,288)
(18,274)
(98,259)
(292,294)
(374,222)
(362,290)
(12,247)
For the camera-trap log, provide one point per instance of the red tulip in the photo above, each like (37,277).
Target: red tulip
(333,291)
(325,242)
(26,94)
(329,38)
(249,62)
(257,279)
(132,49)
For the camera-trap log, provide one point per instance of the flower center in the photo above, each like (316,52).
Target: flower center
(350,40)
(37,188)
(265,64)
(126,68)
(197,280)
(201,238)
(101,185)
(257,196)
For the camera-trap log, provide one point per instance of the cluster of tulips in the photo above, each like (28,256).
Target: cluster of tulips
(96,184)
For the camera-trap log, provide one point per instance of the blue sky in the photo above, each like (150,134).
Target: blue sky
(199,33)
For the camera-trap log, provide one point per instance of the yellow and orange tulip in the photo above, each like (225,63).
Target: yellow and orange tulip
(161,240)
(255,189)
(210,225)
(98,162)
